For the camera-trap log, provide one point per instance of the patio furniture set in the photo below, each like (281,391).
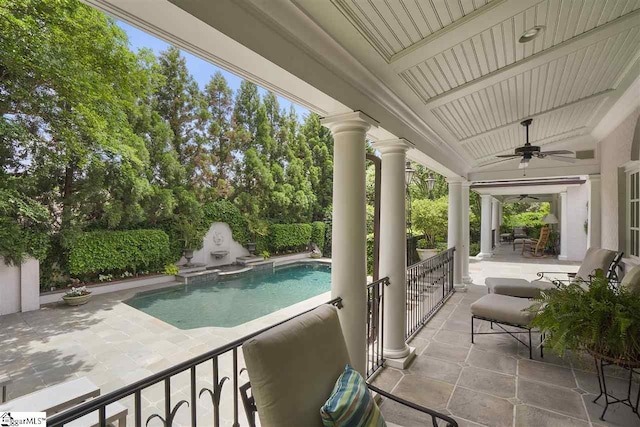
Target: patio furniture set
(509,304)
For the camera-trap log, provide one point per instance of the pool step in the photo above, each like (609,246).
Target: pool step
(246,260)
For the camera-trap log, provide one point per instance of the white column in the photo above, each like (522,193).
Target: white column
(455,228)
(500,218)
(564,227)
(465,232)
(495,221)
(349,267)
(593,233)
(485,226)
(393,253)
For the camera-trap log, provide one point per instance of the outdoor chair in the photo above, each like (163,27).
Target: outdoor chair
(515,312)
(594,259)
(537,245)
(294,367)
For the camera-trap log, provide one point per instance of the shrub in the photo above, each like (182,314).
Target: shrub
(474,249)
(23,227)
(318,230)
(430,217)
(369,253)
(225,211)
(117,251)
(171,269)
(289,236)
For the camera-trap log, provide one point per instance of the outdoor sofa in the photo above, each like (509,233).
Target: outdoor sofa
(293,369)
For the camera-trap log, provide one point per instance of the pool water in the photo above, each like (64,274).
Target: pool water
(234,301)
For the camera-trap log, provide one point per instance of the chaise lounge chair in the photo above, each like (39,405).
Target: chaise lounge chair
(594,259)
(513,311)
(293,368)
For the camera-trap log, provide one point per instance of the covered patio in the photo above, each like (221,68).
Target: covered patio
(446,87)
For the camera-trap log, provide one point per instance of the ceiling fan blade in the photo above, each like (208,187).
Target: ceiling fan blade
(561,158)
(523,163)
(557,152)
(509,155)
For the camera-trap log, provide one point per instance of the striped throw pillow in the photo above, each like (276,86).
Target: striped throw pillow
(350,404)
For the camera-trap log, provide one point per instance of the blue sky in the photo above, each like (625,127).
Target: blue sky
(200,70)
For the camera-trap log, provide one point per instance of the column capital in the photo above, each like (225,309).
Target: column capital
(466,184)
(455,180)
(349,122)
(486,196)
(393,146)
(594,177)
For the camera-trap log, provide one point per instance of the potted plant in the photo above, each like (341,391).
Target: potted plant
(259,229)
(600,318)
(430,217)
(191,239)
(426,249)
(77,295)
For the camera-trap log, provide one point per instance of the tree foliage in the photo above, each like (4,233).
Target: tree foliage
(431,218)
(96,137)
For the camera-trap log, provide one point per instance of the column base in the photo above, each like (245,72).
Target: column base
(563,258)
(399,362)
(461,287)
(483,255)
(467,280)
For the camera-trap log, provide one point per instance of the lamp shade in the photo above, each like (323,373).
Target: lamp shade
(549,219)
(408,173)
(430,181)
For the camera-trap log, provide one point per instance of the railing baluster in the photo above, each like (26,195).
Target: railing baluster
(167,399)
(138,407)
(102,416)
(194,402)
(216,403)
(235,388)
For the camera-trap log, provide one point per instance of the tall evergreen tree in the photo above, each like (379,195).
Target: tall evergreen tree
(219,99)
(181,104)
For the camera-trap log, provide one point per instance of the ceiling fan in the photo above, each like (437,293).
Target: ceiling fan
(528,151)
(522,197)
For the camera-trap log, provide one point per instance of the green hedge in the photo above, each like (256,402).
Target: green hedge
(284,237)
(117,251)
(318,229)
(225,211)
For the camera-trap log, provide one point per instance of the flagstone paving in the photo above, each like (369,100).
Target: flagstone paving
(493,382)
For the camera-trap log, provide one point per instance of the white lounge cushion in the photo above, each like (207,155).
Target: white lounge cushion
(517,287)
(594,259)
(631,280)
(114,412)
(294,367)
(54,398)
(503,308)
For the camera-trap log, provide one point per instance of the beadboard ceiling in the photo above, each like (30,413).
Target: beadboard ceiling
(460,67)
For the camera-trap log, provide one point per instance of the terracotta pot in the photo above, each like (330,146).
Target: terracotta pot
(82,299)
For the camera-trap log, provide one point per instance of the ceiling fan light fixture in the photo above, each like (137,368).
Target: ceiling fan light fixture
(531,34)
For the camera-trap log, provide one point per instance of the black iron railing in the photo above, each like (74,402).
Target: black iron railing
(429,285)
(375,328)
(197,382)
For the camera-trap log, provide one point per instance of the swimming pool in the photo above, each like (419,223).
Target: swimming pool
(228,302)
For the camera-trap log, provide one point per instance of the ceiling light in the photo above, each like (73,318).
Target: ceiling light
(531,34)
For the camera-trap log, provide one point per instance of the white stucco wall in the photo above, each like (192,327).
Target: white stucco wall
(19,287)
(217,239)
(614,151)
(577,198)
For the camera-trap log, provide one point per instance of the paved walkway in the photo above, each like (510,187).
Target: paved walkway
(493,382)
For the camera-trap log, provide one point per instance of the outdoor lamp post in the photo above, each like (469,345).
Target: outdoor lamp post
(431,182)
(408,176)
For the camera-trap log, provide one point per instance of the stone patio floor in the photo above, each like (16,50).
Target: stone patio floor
(490,383)
(493,382)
